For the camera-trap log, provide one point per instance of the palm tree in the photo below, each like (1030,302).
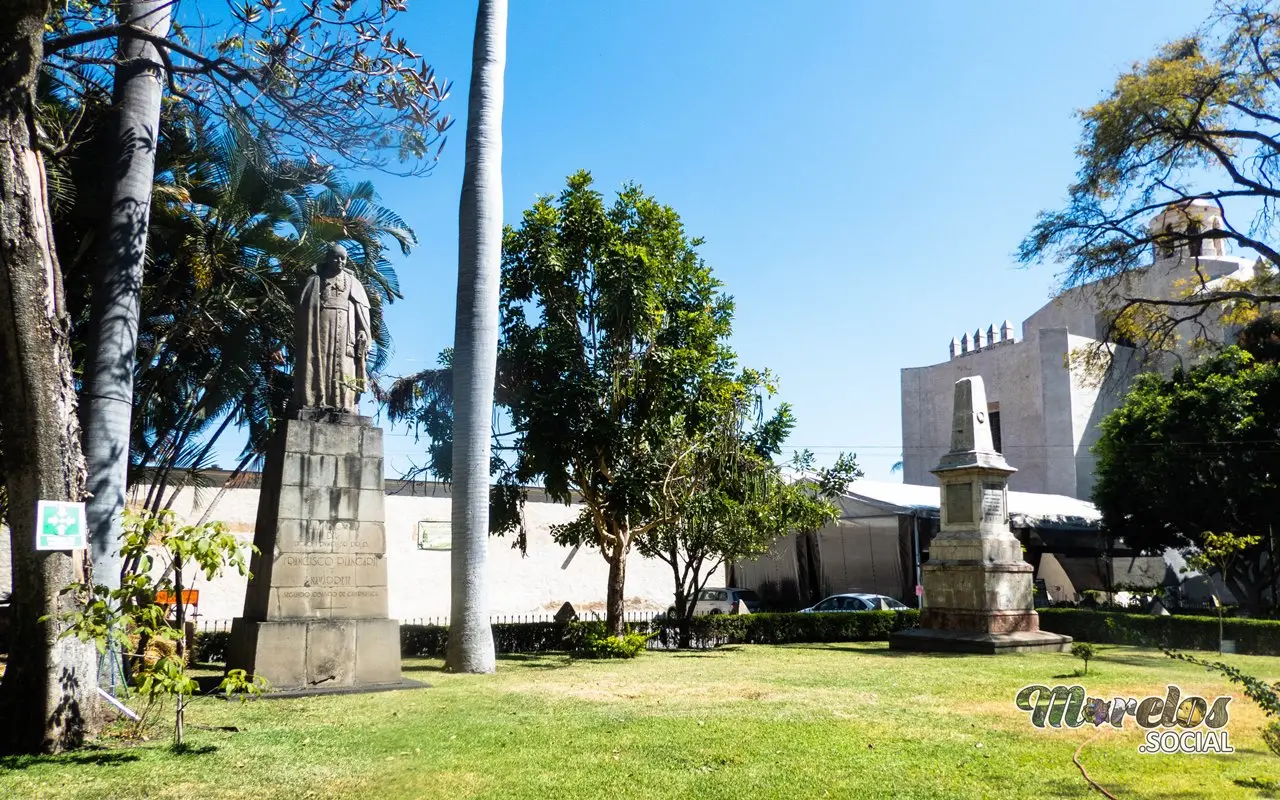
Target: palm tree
(476,344)
(107,398)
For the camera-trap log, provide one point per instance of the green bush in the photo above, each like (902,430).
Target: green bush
(866,626)
(1252,636)
(423,641)
(707,631)
(1083,651)
(628,645)
(1271,735)
(211,647)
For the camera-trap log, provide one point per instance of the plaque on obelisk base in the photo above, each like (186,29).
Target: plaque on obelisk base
(315,613)
(978,589)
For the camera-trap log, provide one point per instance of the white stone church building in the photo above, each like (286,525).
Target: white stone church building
(1044,406)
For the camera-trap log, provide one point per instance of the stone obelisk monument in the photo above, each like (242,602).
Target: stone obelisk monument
(315,614)
(978,591)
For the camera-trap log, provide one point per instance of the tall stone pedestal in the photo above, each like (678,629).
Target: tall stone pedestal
(315,614)
(978,589)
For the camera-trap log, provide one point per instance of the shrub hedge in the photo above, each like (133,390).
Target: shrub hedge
(508,637)
(707,631)
(1252,636)
(211,647)
(1259,637)
(868,626)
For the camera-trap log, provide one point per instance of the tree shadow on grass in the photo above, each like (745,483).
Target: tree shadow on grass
(89,756)
(541,661)
(1134,660)
(1081,789)
(871,649)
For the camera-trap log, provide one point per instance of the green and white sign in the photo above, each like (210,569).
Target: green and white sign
(60,525)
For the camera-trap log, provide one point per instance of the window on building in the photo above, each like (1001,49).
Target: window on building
(994,415)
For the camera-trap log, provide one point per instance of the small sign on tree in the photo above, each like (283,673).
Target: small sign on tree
(60,525)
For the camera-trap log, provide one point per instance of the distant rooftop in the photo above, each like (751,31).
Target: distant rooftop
(1027,509)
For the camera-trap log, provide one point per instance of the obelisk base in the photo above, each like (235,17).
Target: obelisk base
(315,618)
(318,653)
(940,641)
(979,608)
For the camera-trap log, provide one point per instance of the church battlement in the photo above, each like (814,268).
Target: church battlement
(964,346)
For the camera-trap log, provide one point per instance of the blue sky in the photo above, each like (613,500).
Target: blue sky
(862,172)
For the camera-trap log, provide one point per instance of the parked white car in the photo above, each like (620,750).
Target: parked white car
(855,602)
(726,601)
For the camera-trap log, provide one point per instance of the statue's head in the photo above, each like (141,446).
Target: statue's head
(335,259)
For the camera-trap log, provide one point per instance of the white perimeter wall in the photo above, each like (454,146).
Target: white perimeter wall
(419,579)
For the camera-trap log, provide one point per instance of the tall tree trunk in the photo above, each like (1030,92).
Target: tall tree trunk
(615,599)
(475,353)
(108,406)
(48,693)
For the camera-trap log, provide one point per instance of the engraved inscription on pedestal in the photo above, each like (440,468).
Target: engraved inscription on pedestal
(321,577)
(959,500)
(992,502)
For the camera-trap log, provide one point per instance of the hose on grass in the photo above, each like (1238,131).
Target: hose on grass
(1075,759)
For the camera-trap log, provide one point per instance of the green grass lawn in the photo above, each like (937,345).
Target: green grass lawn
(742,722)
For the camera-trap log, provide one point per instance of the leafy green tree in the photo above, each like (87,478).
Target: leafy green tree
(475,349)
(1217,553)
(138,612)
(1194,453)
(1197,121)
(614,340)
(1085,652)
(613,374)
(733,501)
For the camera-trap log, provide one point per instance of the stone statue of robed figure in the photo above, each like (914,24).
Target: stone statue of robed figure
(331,338)
(315,612)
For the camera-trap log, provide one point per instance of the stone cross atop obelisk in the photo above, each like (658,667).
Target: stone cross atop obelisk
(977,586)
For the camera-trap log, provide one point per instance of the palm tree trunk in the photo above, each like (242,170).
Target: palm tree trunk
(118,284)
(48,693)
(475,352)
